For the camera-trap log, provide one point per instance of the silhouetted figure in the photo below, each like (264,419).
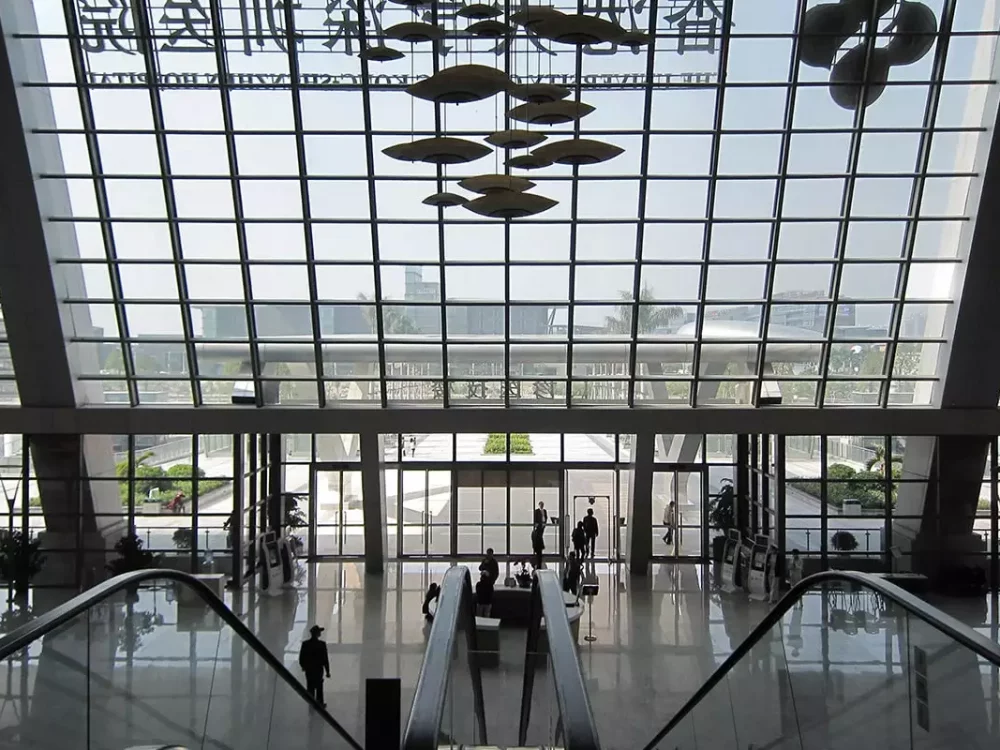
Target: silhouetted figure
(537,545)
(579,537)
(591,530)
(314,661)
(670,521)
(541,516)
(574,570)
(490,566)
(433,592)
(484,595)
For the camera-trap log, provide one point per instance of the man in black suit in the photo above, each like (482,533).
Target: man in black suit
(541,516)
(314,661)
(490,566)
(590,529)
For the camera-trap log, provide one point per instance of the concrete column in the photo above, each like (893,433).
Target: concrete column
(944,505)
(373,502)
(639,530)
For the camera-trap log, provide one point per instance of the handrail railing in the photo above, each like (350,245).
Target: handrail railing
(576,718)
(54,618)
(455,609)
(934,617)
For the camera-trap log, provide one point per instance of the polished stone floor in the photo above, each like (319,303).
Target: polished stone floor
(837,671)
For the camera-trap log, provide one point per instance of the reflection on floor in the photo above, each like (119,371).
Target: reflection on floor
(164,674)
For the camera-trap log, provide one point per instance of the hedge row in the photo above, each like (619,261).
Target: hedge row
(496,444)
(846,483)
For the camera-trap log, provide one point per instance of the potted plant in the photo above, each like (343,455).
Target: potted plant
(722,517)
(131,557)
(294,519)
(20,559)
(844,542)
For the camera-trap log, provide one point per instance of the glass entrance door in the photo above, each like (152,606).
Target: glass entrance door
(424,510)
(593,490)
(678,508)
(339,513)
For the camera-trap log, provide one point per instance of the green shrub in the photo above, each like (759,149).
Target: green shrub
(496,444)
(845,483)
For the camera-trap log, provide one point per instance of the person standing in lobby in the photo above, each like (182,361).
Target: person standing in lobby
(490,566)
(541,517)
(591,530)
(314,660)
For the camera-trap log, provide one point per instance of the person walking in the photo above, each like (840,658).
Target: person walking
(490,566)
(579,537)
(537,545)
(314,660)
(591,530)
(484,595)
(670,522)
(541,516)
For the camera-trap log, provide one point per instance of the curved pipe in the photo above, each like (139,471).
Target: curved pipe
(54,618)
(917,607)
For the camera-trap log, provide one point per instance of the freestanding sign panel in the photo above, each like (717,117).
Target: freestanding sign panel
(729,561)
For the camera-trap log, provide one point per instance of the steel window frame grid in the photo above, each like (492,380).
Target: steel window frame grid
(141,18)
(222,63)
(710,192)
(840,246)
(366,110)
(101,195)
(574,205)
(440,186)
(300,153)
(640,229)
(777,210)
(917,191)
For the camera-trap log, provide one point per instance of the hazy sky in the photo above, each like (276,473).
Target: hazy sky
(199,158)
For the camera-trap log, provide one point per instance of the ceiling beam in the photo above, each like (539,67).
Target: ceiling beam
(720,420)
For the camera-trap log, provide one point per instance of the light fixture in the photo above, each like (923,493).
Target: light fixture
(415,32)
(460,84)
(534,14)
(380,53)
(578,29)
(634,39)
(488,29)
(445,200)
(488,183)
(505,204)
(827,26)
(510,139)
(411,3)
(528,161)
(443,150)
(550,113)
(477,11)
(856,80)
(577,151)
(538,92)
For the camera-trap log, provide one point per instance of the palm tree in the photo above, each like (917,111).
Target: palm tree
(877,462)
(651,317)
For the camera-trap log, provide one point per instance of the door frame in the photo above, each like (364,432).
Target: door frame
(701,469)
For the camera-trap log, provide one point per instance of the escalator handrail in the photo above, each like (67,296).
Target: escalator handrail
(455,609)
(45,623)
(917,607)
(575,712)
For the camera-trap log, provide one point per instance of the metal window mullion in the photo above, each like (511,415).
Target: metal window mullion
(574,203)
(779,202)
(713,171)
(366,109)
(506,253)
(640,227)
(144,28)
(241,235)
(917,192)
(439,175)
(854,155)
(103,210)
(300,151)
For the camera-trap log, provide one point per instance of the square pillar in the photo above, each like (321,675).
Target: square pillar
(639,530)
(373,502)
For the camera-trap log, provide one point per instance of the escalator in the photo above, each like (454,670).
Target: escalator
(847,660)
(467,698)
(78,676)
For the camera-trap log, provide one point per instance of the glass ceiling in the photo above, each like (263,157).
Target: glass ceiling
(755,243)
